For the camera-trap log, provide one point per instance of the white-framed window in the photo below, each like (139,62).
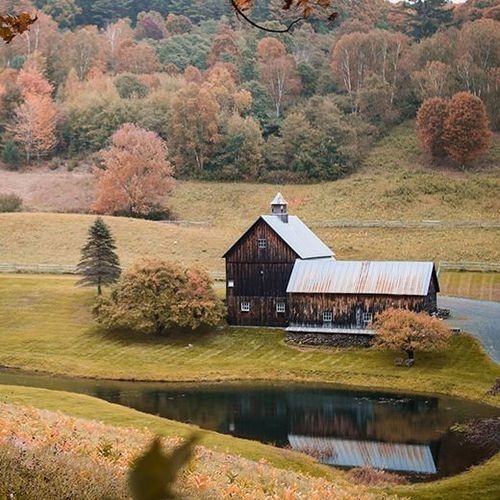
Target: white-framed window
(230,283)
(261,243)
(367,318)
(280,307)
(327,317)
(245,307)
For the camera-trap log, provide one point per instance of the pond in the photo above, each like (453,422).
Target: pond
(343,427)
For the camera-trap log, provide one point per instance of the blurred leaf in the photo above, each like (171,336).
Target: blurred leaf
(153,474)
(11,26)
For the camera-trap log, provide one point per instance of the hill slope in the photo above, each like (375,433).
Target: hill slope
(393,184)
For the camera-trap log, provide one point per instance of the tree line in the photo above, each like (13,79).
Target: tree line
(231,102)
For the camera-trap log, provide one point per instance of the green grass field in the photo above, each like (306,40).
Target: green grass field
(46,325)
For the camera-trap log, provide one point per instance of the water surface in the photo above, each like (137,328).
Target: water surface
(411,434)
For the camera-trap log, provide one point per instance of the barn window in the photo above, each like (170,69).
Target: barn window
(327,317)
(367,318)
(262,243)
(280,307)
(230,283)
(245,307)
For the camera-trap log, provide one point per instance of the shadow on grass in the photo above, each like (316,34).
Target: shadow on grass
(179,337)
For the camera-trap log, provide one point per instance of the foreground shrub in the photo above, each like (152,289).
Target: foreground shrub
(374,477)
(47,455)
(10,203)
(33,474)
(399,329)
(155,296)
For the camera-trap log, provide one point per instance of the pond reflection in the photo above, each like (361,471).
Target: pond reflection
(410,434)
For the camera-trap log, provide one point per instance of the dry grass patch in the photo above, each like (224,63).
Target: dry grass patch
(50,454)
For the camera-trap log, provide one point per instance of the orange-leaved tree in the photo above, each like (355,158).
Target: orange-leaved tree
(278,72)
(35,119)
(466,128)
(400,329)
(137,174)
(430,126)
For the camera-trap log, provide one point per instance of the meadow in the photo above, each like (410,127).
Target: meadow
(395,182)
(47,326)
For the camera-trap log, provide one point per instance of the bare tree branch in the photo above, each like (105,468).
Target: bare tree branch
(263,28)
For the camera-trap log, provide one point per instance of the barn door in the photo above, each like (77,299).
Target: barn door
(358,317)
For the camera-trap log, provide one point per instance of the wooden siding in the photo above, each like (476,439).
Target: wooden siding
(308,309)
(246,250)
(262,311)
(260,276)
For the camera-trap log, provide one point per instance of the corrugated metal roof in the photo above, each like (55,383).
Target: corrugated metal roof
(298,236)
(351,453)
(363,277)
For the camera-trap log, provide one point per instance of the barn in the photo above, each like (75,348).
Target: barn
(260,262)
(279,273)
(345,296)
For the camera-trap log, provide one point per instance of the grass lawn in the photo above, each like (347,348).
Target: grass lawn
(46,325)
(480,482)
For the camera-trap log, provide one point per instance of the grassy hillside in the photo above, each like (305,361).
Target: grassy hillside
(46,325)
(393,184)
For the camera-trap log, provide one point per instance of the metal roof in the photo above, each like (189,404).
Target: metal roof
(363,277)
(351,453)
(279,200)
(298,237)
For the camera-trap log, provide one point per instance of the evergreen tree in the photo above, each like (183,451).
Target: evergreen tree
(99,264)
(430,15)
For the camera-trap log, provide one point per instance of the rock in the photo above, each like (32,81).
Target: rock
(329,339)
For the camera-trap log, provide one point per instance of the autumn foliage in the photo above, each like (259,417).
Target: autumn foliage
(403,330)
(155,296)
(278,72)
(430,125)
(137,175)
(457,127)
(466,131)
(35,118)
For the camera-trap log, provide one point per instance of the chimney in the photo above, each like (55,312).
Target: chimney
(279,207)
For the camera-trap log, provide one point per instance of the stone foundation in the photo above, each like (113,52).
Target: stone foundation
(329,340)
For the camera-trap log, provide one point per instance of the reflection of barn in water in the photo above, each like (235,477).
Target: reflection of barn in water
(398,457)
(339,427)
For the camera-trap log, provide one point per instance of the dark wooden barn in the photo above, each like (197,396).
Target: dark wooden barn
(259,265)
(344,297)
(279,273)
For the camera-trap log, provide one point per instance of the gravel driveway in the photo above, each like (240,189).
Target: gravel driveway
(478,317)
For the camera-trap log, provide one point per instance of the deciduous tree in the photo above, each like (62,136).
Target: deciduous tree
(278,72)
(403,330)
(430,126)
(137,175)
(34,125)
(466,131)
(195,127)
(155,296)
(99,264)
(150,25)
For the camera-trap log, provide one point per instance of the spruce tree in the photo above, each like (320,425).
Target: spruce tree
(429,16)
(99,264)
